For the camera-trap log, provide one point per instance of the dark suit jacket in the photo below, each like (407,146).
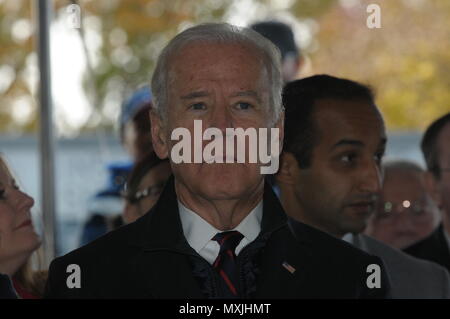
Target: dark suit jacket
(433,248)
(151,258)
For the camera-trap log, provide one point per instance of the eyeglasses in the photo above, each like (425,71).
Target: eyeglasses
(415,209)
(152,191)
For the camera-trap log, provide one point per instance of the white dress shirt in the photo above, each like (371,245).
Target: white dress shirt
(348,238)
(199,232)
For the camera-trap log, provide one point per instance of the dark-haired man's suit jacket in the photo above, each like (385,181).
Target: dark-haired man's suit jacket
(151,258)
(433,248)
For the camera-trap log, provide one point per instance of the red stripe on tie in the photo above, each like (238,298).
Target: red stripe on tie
(216,263)
(228,282)
(230,253)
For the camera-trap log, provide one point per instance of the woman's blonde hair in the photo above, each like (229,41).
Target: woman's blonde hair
(30,275)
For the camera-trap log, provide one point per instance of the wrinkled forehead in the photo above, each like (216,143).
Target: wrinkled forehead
(201,55)
(407,182)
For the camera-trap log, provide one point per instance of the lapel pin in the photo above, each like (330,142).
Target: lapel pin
(288,267)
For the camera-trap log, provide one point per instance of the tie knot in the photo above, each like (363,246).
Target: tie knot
(228,239)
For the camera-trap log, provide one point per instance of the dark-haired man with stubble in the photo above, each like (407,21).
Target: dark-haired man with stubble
(436,150)
(330,175)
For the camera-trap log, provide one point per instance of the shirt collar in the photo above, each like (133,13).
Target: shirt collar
(348,238)
(199,232)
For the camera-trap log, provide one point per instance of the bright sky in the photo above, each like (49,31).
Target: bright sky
(68,64)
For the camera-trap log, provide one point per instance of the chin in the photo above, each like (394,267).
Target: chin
(224,192)
(35,242)
(219,181)
(229,181)
(355,226)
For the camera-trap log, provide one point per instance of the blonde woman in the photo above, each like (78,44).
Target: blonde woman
(18,236)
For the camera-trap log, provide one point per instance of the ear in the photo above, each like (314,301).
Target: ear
(288,170)
(280,126)
(159,136)
(433,188)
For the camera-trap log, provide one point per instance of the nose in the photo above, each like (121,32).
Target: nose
(403,220)
(221,117)
(24,200)
(371,178)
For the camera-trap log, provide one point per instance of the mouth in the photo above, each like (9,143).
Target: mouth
(24,224)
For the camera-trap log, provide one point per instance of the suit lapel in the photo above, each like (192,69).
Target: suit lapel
(167,274)
(283,266)
(164,264)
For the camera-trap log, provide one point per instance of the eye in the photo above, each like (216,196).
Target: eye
(243,106)
(2,194)
(198,106)
(157,189)
(348,158)
(418,209)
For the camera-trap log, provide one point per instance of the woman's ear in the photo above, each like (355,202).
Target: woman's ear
(159,137)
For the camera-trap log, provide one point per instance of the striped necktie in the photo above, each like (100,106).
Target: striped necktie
(225,263)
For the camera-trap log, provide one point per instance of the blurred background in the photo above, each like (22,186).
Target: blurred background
(112,53)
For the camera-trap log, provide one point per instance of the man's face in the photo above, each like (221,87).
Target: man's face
(443,182)
(406,213)
(338,191)
(224,86)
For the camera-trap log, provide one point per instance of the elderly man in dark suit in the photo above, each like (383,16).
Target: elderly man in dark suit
(436,150)
(218,230)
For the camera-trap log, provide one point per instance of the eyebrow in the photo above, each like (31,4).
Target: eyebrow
(346,142)
(357,143)
(247,93)
(194,95)
(12,181)
(198,94)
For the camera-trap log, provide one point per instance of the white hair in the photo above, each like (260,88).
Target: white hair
(222,33)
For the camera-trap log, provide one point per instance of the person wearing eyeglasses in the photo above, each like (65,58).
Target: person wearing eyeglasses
(405,213)
(436,150)
(144,185)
